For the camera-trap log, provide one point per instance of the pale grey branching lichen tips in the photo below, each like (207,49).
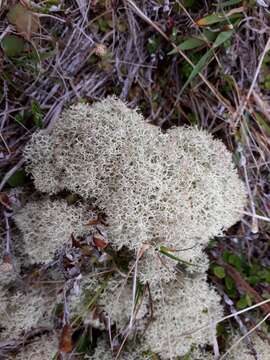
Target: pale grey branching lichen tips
(176,189)
(47,225)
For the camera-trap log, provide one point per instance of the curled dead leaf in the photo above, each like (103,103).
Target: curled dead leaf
(100,242)
(65,343)
(4,200)
(24,19)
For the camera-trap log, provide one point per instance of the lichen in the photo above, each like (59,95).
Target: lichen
(43,348)
(47,225)
(130,352)
(24,311)
(179,310)
(259,349)
(115,299)
(176,189)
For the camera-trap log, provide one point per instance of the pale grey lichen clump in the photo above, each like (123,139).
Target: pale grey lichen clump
(244,352)
(180,310)
(153,266)
(21,312)
(176,189)
(103,352)
(47,225)
(43,348)
(161,193)
(200,354)
(84,150)
(115,300)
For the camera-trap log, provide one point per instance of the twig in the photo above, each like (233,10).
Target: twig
(6,112)
(239,321)
(8,237)
(157,28)
(259,217)
(244,285)
(244,105)
(7,265)
(11,172)
(225,318)
(243,337)
(9,346)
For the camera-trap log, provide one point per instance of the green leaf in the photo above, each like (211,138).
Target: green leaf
(222,37)
(219,272)
(209,35)
(232,293)
(262,122)
(242,303)
(253,280)
(189,3)
(37,114)
(165,251)
(229,3)
(201,64)
(210,19)
(221,329)
(84,344)
(18,178)
(264,275)
(225,255)
(189,44)
(153,44)
(229,283)
(12,45)
(248,300)
(19,119)
(103,25)
(236,262)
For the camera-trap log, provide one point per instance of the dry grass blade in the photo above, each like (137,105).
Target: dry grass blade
(242,108)
(215,92)
(243,337)
(229,316)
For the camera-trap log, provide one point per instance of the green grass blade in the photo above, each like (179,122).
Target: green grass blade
(201,64)
(189,44)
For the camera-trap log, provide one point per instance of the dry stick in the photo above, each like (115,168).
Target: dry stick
(134,266)
(244,285)
(5,117)
(243,337)
(166,322)
(134,287)
(215,342)
(244,105)
(10,173)
(263,218)
(7,265)
(229,302)
(157,28)
(254,225)
(263,107)
(225,318)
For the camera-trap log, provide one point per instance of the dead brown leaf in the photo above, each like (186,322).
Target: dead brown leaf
(26,21)
(65,343)
(100,242)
